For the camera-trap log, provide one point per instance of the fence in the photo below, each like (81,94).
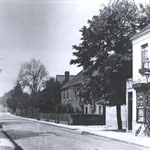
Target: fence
(29,113)
(72,119)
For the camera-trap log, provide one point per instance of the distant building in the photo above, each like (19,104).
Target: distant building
(70,95)
(64,78)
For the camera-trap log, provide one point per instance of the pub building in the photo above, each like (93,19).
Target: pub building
(138,88)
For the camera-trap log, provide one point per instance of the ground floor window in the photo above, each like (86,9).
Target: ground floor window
(86,110)
(100,109)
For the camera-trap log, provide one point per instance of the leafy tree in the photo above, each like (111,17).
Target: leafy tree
(50,96)
(24,101)
(17,99)
(33,75)
(144,15)
(5,97)
(105,52)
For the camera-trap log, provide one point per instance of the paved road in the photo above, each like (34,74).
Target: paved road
(36,136)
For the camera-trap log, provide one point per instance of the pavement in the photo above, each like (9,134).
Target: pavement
(5,142)
(102,131)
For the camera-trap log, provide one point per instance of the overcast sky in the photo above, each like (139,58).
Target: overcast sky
(41,29)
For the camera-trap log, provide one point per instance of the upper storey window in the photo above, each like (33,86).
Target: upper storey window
(144,55)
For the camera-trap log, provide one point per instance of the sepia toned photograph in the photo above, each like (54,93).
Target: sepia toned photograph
(74,75)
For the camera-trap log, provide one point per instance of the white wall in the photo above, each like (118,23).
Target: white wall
(137,77)
(111,117)
(137,43)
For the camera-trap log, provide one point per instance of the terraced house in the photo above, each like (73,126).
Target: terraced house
(70,96)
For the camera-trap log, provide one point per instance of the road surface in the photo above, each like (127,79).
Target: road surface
(31,135)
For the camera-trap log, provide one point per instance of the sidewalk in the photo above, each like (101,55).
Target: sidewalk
(102,131)
(5,143)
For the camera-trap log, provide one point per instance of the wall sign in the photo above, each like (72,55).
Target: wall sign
(141,99)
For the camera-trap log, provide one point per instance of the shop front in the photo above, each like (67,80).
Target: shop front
(143,107)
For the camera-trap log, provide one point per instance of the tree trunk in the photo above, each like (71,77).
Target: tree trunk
(119,121)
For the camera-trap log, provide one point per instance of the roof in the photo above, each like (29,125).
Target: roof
(143,31)
(61,78)
(78,79)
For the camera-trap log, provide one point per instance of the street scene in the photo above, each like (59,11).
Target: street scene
(74,74)
(39,136)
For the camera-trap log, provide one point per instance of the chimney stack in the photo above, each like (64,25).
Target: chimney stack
(66,76)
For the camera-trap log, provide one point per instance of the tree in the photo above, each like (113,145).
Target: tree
(17,99)
(33,75)
(16,94)
(50,96)
(105,52)
(5,97)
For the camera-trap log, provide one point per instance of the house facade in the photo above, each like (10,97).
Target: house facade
(138,89)
(70,96)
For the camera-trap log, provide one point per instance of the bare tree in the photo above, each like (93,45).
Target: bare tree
(33,75)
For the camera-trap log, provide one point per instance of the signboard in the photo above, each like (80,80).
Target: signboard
(141,98)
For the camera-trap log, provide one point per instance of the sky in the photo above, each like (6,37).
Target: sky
(41,29)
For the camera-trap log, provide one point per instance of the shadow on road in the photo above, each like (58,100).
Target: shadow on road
(26,134)
(12,122)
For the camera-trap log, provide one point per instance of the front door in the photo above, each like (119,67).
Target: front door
(129,110)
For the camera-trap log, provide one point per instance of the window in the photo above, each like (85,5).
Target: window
(63,94)
(140,117)
(75,93)
(86,110)
(100,109)
(144,55)
(67,94)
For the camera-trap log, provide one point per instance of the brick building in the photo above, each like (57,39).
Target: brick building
(70,95)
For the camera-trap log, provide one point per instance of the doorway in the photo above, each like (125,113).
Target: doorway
(129,110)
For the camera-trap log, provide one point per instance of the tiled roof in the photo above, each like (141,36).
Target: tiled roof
(144,30)
(61,78)
(75,81)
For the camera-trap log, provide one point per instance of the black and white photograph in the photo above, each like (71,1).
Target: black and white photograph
(74,75)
